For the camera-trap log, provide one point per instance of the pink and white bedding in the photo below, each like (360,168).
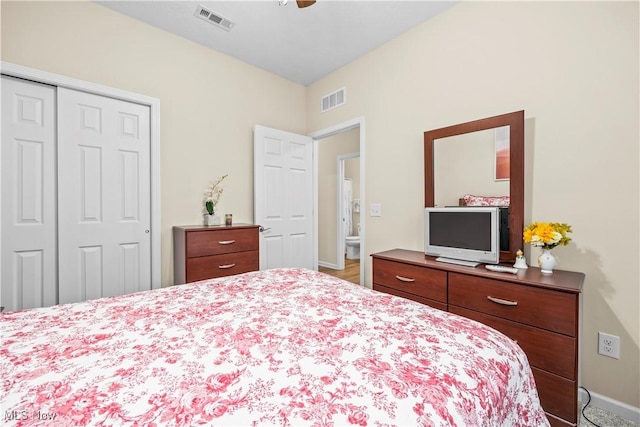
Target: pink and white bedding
(283,347)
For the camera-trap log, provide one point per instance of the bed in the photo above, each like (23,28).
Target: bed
(281,347)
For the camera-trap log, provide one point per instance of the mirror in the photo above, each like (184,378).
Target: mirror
(465,159)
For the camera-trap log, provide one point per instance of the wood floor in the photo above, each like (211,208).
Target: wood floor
(351,272)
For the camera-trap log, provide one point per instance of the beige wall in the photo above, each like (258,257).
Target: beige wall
(328,151)
(209,101)
(573,68)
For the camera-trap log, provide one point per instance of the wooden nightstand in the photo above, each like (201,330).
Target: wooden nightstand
(205,252)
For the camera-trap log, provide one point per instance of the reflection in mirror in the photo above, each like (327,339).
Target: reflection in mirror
(474,163)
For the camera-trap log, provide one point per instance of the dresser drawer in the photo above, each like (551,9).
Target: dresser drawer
(558,396)
(412,297)
(546,350)
(204,243)
(410,279)
(222,265)
(543,308)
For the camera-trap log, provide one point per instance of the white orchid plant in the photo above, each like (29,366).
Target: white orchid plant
(212,195)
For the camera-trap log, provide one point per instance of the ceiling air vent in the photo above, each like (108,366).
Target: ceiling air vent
(214,18)
(333,100)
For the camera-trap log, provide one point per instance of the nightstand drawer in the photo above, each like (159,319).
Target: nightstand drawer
(423,282)
(546,350)
(223,241)
(222,265)
(535,306)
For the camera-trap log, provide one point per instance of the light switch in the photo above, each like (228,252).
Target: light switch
(375,209)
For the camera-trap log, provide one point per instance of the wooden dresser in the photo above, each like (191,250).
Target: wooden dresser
(205,252)
(540,311)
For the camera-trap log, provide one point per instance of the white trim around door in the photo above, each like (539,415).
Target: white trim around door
(45,77)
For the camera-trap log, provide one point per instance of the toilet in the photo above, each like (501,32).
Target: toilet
(353,245)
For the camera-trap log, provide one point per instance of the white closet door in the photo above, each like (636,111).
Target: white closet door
(28,195)
(104,196)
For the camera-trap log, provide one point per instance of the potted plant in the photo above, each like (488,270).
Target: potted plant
(211,197)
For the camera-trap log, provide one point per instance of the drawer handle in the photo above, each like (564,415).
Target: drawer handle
(502,301)
(405,279)
(227,242)
(224,267)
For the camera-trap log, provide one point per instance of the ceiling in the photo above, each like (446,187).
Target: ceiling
(301,45)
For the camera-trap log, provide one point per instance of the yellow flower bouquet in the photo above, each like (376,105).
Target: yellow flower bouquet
(547,235)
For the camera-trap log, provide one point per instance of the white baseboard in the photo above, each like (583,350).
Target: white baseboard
(620,409)
(327,265)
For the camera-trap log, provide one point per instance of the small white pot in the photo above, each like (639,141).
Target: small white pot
(211,219)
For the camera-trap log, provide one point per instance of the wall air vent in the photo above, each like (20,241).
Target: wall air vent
(333,100)
(214,19)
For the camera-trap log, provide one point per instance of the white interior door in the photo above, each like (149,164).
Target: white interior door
(283,198)
(104,196)
(28,195)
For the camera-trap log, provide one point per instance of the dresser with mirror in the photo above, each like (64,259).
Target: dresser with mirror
(539,311)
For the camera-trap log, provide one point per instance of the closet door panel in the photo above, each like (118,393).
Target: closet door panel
(104,194)
(28,195)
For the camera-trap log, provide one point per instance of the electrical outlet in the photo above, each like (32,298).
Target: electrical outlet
(609,345)
(375,209)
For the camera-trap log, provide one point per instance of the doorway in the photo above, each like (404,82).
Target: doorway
(340,257)
(335,145)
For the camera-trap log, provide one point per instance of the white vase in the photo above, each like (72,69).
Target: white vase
(211,219)
(546,261)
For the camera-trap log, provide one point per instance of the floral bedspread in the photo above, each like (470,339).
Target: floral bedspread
(283,347)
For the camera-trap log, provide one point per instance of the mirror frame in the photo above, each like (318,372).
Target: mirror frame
(515,121)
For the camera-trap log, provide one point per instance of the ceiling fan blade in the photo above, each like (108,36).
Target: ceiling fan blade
(303,3)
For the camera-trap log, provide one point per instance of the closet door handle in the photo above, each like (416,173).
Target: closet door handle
(405,279)
(226,266)
(226,242)
(502,301)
